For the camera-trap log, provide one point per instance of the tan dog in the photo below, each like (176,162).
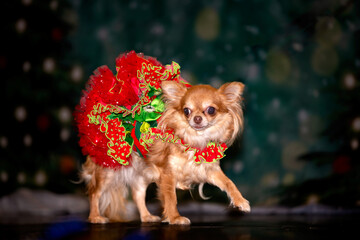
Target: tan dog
(198,115)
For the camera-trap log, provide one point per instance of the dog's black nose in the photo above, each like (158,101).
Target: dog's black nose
(197,119)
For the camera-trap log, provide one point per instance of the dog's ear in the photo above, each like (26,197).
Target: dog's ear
(232,91)
(172,91)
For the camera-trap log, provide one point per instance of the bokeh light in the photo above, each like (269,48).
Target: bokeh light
(49,65)
(290,155)
(349,81)
(328,31)
(278,66)
(270,179)
(77,73)
(356,124)
(67,164)
(207,25)
(20,113)
(65,114)
(288,179)
(21,25)
(324,60)
(40,178)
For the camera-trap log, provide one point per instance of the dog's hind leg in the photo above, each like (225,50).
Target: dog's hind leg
(139,194)
(94,216)
(97,183)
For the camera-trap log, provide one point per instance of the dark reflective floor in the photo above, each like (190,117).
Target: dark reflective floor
(204,227)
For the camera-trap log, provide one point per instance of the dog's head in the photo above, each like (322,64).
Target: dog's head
(201,113)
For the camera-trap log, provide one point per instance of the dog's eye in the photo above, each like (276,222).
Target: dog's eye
(210,110)
(187,111)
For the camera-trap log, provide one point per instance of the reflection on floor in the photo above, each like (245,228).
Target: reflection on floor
(251,226)
(42,215)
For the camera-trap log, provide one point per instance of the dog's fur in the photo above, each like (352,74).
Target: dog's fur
(168,164)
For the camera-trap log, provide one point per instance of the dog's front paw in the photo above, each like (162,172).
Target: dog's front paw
(243,205)
(179,221)
(98,219)
(150,219)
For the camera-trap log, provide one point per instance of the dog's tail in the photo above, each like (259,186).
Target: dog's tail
(114,205)
(201,192)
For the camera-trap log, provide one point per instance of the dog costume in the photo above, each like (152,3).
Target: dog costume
(119,114)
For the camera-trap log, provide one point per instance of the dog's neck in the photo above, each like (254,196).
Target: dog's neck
(211,152)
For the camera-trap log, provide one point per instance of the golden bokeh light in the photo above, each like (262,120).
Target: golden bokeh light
(207,25)
(278,66)
(324,60)
(328,31)
(290,155)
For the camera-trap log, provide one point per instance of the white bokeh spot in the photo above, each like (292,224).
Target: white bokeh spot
(20,113)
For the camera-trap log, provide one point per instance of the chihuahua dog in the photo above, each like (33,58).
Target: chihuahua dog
(199,115)
(147,124)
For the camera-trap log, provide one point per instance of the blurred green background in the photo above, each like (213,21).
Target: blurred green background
(299,60)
